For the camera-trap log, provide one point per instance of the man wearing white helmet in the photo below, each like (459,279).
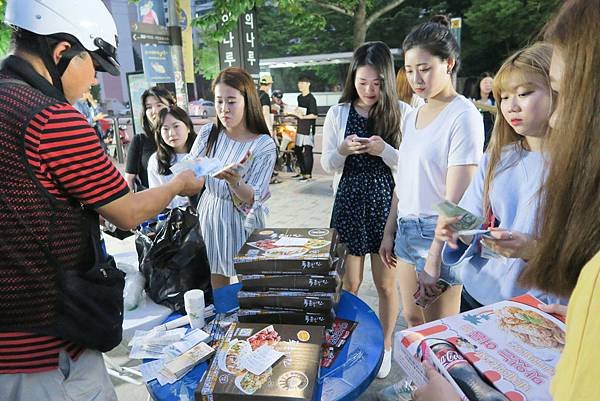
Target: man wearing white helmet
(60,293)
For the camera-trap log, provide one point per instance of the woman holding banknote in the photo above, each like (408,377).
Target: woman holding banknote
(232,203)
(505,189)
(567,257)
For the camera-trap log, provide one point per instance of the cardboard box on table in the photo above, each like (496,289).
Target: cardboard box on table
(313,302)
(293,251)
(292,378)
(514,345)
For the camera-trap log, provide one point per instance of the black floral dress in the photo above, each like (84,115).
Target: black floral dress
(364,196)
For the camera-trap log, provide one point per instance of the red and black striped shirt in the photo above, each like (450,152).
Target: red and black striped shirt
(67,159)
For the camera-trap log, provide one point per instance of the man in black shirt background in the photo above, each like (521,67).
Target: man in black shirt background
(306,130)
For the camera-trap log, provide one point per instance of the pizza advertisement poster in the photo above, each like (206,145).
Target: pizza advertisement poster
(287,357)
(288,251)
(513,344)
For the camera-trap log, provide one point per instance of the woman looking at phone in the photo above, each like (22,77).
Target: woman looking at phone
(360,137)
(232,204)
(441,147)
(506,187)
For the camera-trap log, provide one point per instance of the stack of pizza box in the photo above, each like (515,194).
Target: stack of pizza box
(290,275)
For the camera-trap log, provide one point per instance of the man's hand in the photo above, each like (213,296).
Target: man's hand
(190,185)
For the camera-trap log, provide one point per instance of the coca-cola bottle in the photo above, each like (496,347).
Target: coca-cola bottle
(467,378)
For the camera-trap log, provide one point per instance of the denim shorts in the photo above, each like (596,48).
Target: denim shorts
(413,240)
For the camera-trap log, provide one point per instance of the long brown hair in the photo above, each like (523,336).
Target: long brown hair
(405,92)
(385,116)
(533,61)
(161,94)
(253,117)
(570,231)
(165,155)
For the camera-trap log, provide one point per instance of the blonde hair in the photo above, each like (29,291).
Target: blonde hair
(530,61)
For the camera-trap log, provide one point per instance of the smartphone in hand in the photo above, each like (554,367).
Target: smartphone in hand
(362,140)
(422,300)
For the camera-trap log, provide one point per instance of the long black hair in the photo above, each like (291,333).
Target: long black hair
(165,155)
(436,38)
(160,94)
(385,116)
(255,122)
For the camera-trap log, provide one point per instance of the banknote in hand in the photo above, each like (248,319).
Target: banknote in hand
(469,221)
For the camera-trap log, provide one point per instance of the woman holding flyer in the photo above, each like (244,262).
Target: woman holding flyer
(232,203)
(441,146)
(174,140)
(506,187)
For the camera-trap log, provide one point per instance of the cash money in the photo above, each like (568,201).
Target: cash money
(469,221)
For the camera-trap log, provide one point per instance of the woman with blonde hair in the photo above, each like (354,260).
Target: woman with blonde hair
(505,189)
(567,257)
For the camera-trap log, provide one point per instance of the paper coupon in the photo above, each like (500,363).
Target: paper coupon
(260,360)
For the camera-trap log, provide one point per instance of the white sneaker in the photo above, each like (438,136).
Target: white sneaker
(386,364)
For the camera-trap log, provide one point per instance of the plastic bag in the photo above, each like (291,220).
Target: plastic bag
(175,260)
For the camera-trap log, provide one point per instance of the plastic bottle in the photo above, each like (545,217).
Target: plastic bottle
(132,293)
(161,220)
(467,378)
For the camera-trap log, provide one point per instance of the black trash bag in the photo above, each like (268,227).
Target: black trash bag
(174,260)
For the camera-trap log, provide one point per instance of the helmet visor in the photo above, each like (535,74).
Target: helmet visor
(105,57)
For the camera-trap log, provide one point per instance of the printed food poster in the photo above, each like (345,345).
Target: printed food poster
(514,345)
(264,362)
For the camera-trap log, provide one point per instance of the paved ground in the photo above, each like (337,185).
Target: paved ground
(293,204)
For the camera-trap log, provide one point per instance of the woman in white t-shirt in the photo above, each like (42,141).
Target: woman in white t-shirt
(441,147)
(174,139)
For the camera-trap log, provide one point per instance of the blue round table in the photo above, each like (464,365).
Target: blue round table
(343,384)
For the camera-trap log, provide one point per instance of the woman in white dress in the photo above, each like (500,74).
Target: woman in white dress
(240,129)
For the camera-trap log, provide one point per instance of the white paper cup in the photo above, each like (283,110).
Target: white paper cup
(194,307)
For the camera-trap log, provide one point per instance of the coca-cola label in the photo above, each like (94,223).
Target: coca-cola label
(449,357)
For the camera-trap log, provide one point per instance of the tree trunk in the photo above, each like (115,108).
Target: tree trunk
(360,24)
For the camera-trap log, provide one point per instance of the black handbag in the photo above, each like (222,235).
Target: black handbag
(175,259)
(92,299)
(90,304)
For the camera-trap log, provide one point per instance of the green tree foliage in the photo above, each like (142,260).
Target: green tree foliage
(362,13)
(499,27)
(5,32)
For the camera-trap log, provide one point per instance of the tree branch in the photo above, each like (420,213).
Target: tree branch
(390,6)
(335,8)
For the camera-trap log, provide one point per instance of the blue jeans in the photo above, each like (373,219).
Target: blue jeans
(413,240)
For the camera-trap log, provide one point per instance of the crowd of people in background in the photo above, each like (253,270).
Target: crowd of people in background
(519,147)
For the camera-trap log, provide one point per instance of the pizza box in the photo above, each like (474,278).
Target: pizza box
(288,251)
(291,378)
(512,344)
(322,318)
(288,300)
(331,283)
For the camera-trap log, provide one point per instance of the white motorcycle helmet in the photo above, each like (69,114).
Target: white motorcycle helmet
(88,21)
